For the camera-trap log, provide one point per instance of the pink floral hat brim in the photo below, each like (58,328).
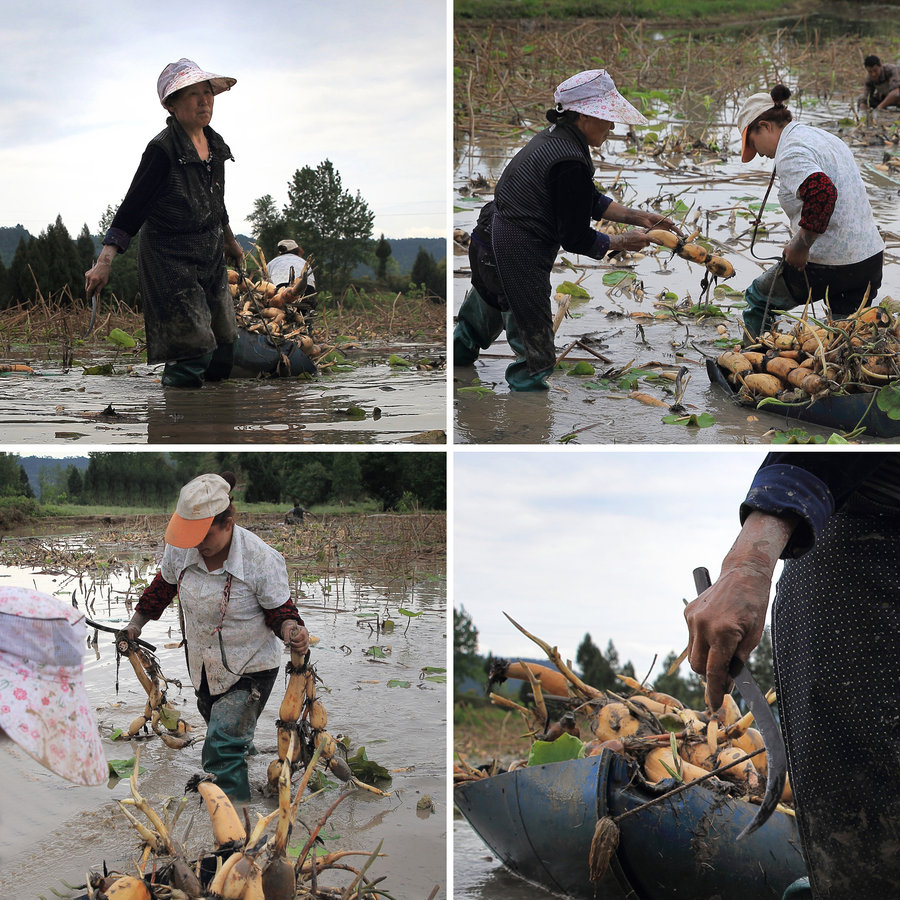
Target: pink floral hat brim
(44,707)
(184,73)
(593,93)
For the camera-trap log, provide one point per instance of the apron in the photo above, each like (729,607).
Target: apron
(188,309)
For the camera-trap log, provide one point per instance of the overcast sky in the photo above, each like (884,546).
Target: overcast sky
(361,84)
(593,542)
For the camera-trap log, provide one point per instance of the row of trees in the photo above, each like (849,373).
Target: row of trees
(333,226)
(599,668)
(395,480)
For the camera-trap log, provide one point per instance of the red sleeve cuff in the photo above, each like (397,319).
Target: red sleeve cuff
(275,618)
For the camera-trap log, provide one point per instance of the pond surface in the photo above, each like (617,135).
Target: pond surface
(479,875)
(712,191)
(65,406)
(53,832)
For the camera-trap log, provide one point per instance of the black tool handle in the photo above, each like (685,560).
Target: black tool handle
(701,580)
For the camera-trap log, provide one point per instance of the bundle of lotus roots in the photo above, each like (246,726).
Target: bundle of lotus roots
(858,354)
(301,723)
(652,729)
(159,712)
(284,313)
(246,864)
(686,248)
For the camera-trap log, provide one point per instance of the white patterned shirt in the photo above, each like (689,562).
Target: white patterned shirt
(259,581)
(852,234)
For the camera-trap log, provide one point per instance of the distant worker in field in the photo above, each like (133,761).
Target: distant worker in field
(882,87)
(295,515)
(287,267)
(545,199)
(836,250)
(177,203)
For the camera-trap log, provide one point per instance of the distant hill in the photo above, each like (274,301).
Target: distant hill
(33,465)
(9,240)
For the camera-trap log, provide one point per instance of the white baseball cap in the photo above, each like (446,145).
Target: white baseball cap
(754,106)
(44,707)
(593,93)
(184,73)
(199,502)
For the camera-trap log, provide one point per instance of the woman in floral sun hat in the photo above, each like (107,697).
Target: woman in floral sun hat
(177,202)
(545,199)
(43,704)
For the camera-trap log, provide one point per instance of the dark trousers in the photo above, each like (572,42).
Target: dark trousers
(230,725)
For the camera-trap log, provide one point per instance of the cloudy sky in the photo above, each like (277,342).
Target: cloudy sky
(593,542)
(361,84)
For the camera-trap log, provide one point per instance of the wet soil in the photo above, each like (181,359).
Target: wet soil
(52,832)
(633,323)
(371,403)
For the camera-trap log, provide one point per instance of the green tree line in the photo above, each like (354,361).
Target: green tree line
(333,226)
(397,481)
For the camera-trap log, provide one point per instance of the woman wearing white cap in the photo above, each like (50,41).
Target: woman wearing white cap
(545,199)
(177,202)
(237,610)
(836,249)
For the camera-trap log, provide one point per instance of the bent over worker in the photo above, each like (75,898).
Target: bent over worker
(545,199)
(236,606)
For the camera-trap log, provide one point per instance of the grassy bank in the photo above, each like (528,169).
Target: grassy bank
(688,12)
(482,733)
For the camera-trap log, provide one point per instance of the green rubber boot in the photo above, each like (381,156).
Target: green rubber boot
(187,373)
(517,375)
(478,325)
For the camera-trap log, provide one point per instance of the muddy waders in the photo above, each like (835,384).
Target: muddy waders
(192,373)
(478,325)
(230,725)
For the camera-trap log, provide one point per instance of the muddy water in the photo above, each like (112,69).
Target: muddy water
(59,406)
(621,319)
(53,832)
(479,875)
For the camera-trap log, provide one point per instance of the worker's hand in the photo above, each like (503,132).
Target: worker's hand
(796,252)
(130,632)
(234,252)
(295,636)
(655,220)
(629,240)
(727,620)
(96,278)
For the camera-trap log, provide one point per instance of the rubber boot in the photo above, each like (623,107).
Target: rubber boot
(478,325)
(799,890)
(229,737)
(768,289)
(186,373)
(517,375)
(222,360)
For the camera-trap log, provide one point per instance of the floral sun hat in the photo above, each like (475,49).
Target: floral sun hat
(184,73)
(594,94)
(44,707)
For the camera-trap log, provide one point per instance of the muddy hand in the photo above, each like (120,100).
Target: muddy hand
(664,223)
(296,637)
(629,240)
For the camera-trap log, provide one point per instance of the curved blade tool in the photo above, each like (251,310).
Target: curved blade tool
(765,720)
